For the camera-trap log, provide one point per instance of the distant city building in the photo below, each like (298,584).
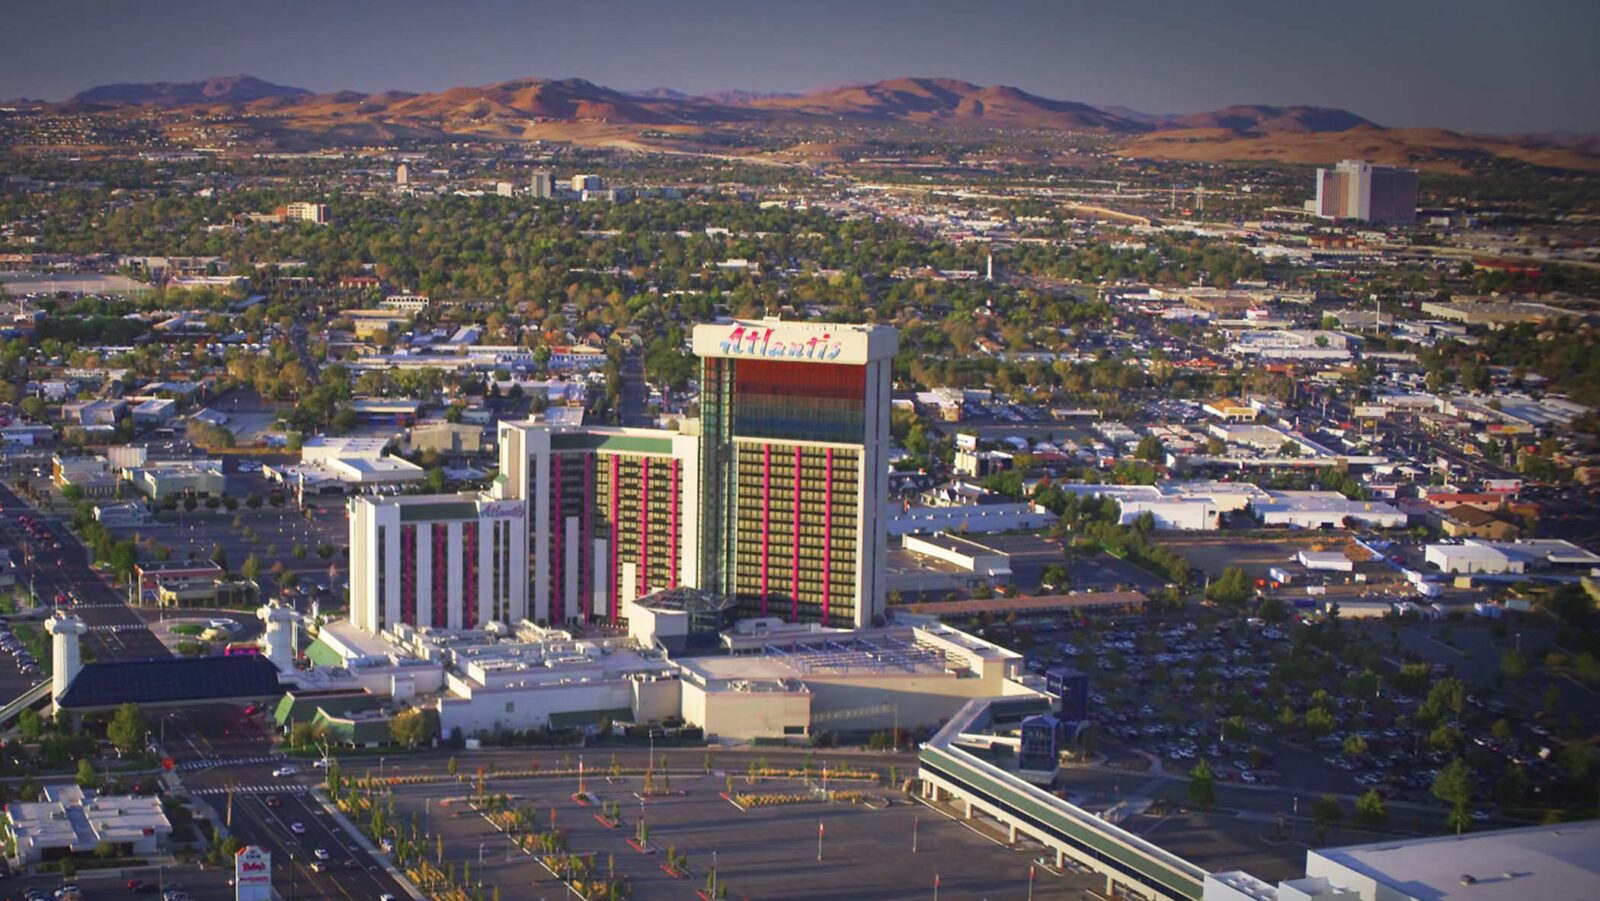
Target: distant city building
(300,211)
(544,185)
(504,188)
(402,175)
(581,183)
(1368,192)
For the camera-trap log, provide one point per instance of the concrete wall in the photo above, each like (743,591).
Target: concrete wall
(486,710)
(744,715)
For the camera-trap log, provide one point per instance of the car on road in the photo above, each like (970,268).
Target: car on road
(319,764)
(274,801)
(320,854)
(282,771)
(318,866)
(297,828)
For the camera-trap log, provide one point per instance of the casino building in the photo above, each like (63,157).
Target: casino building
(447,561)
(614,514)
(773,502)
(794,468)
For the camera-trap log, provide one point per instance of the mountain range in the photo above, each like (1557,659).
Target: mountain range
(581,111)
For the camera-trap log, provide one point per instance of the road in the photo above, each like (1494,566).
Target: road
(224,733)
(115,631)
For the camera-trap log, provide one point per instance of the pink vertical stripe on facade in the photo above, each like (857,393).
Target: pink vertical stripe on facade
(616,499)
(558,531)
(794,546)
(827,533)
(766,520)
(644,526)
(586,551)
(672,551)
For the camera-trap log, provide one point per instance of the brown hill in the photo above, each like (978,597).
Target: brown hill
(1272,119)
(948,100)
(222,89)
(583,112)
(1423,148)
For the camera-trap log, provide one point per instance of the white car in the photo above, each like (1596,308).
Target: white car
(319,764)
(297,828)
(320,854)
(282,771)
(223,625)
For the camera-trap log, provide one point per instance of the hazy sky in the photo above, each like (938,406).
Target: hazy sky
(1487,65)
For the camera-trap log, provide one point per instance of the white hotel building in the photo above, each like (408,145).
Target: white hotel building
(441,561)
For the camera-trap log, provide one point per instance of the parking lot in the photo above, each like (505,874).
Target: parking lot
(1304,709)
(766,852)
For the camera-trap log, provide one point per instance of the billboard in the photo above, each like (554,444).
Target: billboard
(252,874)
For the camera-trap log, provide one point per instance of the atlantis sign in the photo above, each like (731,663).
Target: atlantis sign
(800,342)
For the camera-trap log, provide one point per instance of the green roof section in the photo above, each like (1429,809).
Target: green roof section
(443,510)
(304,706)
(618,444)
(319,653)
(352,731)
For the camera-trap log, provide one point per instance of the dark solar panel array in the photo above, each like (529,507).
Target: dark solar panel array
(172,680)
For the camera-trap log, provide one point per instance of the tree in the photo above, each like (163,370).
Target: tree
(414,727)
(251,568)
(1326,812)
(302,734)
(30,725)
(87,777)
(1273,611)
(1514,664)
(1231,588)
(219,556)
(1446,694)
(1355,745)
(1319,720)
(127,728)
(1202,785)
(434,480)
(1371,811)
(1150,448)
(1454,786)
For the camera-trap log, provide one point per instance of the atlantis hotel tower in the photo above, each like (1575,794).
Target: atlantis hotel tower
(794,467)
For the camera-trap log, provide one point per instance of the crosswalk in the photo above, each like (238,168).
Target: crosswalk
(117,627)
(286,789)
(206,763)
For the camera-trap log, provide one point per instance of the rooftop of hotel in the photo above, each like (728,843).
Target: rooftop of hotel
(1512,864)
(897,651)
